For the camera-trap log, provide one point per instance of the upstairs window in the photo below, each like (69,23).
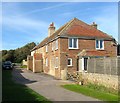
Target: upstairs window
(46,48)
(99,44)
(56,62)
(56,44)
(46,62)
(52,46)
(73,43)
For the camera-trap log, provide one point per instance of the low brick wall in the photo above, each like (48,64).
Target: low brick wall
(110,81)
(38,66)
(24,62)
(30,63)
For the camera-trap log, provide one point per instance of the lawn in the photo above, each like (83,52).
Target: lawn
(24,66)
(12,91)
(101,95)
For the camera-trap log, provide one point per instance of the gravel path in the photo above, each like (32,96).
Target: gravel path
(47,86)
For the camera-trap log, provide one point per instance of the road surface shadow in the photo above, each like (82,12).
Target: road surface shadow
(19,78)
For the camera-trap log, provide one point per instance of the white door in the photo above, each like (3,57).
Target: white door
(80,64)
(83,64)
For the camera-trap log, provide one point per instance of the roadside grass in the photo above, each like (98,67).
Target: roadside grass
(12,91)
(24,66)
(92,92)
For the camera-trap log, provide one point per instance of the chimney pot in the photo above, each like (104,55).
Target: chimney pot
(94,25)
(52,24)
(51,29)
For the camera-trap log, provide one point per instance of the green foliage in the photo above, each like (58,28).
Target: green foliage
(24,66)
(102,95)
(18,54)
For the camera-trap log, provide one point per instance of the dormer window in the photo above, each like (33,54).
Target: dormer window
(99,44)
(73,43)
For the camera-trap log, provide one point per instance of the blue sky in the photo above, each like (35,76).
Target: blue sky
(27,22)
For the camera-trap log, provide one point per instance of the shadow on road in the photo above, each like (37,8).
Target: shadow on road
(19,78)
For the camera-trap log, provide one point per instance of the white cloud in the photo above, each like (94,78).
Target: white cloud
(25,24)
(43,9)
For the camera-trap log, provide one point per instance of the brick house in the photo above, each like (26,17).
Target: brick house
(69,47)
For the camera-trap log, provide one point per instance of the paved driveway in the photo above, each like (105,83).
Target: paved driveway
(47,86)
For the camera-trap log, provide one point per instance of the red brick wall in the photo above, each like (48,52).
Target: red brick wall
(51,54)
(64,52)
(110,48)
(83,44)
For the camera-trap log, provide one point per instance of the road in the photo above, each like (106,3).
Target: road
(48,86)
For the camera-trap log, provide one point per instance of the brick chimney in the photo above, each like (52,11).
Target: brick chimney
(94,25)
(51,29)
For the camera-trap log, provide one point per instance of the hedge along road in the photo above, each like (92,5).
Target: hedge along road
(47,86)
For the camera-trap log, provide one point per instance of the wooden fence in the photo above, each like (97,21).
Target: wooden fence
(107,65)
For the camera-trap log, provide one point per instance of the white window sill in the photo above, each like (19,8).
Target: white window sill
(85,71)
(73,48)
(99,49)
(70,65)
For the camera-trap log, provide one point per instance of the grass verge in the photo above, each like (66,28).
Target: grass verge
(12,91)
(24,66)
(101,95)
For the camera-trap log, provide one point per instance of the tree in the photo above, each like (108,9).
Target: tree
(18,54)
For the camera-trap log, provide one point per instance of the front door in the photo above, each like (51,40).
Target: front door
(83,64)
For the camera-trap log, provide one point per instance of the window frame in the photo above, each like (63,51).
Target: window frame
(46,62)
(46,48)
(56,62)
(71,63)
(56,44)
(52,46)
(99,44)
(72,43)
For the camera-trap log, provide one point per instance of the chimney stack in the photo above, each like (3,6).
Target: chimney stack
(94,25)
(51,29)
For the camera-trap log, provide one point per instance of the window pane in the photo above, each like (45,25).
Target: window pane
(101,43)
(46,48)
(75,43)
(56,62)
(97,44)
(46,61)
(68,61)
(56,44)
(70,42)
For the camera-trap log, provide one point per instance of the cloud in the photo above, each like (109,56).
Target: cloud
(25,24)
(43,9)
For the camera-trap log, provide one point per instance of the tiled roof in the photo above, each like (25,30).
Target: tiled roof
(93,53)
(47,39)
(74,27)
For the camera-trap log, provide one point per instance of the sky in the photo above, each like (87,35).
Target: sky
(25,22)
